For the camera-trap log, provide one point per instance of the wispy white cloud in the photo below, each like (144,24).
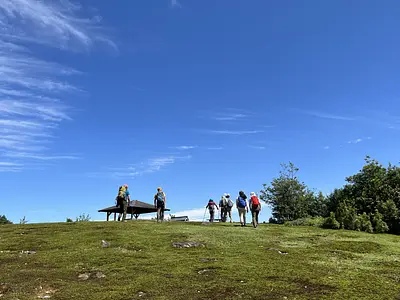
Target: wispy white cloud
(32,90)
(27,155)
(184,147)
(328,116)
(215,148)
(326,148)
(57,23)
(230,117)
(257,147)
(145,167)
(175,3)
(236,132)
(355,141)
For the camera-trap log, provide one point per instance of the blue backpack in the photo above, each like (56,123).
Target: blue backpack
(241,202)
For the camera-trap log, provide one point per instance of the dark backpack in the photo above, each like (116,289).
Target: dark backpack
(241,202)
(160,197)
(230,203)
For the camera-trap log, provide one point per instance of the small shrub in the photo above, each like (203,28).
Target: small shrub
(83,218)
(4,220)
(272,221)
(69,220)
(379,225)
(364,223)
(23,220)
(331,222)
(311,221)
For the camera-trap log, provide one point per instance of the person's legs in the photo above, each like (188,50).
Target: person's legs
(241,216)
(257,212)
(230,214)
(158,213)
(162,213)
(254,214)
(124,207)
(211,216)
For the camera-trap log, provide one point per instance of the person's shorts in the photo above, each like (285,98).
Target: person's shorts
(160,204)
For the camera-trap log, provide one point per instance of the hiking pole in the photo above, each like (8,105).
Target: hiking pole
(205,210)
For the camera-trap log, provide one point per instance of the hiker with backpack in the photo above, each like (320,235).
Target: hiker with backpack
(229,206)
(255,208)
(223,204)
(211,205)
(123,200)
(242,207)
(160,201)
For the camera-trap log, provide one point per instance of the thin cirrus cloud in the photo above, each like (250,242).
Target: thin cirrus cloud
(324,115)
(184,147)
(359,140)
(257,147)
(148,166)
(235,132)
(32,89)
(175,4)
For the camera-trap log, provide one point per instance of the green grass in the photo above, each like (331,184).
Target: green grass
(141,262)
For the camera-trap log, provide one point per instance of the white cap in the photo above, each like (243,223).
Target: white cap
(252,194)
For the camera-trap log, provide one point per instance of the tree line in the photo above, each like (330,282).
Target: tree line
(369,200)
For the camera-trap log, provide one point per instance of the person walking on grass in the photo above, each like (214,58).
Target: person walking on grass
(123,200)
(229,206)
(242,207)
(211,205)
(160,202)
(255,208)
(223,204)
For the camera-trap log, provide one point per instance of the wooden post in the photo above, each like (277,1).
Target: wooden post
(108,216)
(131,216)
(137,216)
(115,216)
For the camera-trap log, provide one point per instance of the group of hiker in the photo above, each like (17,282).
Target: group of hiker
(123,199)
(226,204)
(243,205)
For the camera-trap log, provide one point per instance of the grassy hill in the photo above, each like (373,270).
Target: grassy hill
(68,262)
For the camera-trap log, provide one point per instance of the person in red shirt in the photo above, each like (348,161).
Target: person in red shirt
(255,207)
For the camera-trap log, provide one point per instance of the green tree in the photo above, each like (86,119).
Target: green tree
(287,196)
(4,220)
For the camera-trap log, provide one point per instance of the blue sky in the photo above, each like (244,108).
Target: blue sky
(199,97)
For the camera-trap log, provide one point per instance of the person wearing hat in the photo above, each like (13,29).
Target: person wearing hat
(229,206)
(255,207)
(211,205)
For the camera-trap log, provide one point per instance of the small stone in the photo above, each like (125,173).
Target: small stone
(105,244)
(186,244)
(83,276)
(28,252)
(203,271)
(141,294)
(100,275)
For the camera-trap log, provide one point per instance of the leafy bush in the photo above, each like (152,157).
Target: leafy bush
(273,221)
(379,225)
(331,222)
(23,220)
(83,218)
(364,223)
(311,221)
(69,220)
(4,220)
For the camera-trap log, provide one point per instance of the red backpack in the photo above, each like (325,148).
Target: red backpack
(255,201)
